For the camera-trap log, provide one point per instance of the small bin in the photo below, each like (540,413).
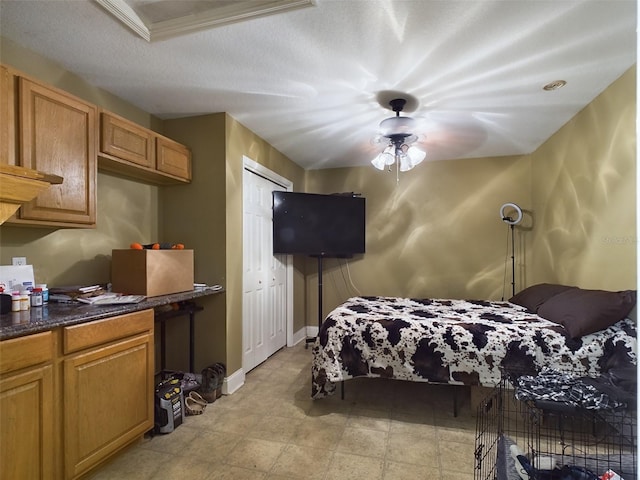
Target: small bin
(151,272)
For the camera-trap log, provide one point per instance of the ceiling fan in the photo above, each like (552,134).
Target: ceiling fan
(397,135)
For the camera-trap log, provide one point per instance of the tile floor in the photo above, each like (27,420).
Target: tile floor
(270,429)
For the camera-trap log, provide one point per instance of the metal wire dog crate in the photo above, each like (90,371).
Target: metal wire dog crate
(556,441)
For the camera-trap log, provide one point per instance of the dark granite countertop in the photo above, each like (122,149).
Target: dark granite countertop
(53,315)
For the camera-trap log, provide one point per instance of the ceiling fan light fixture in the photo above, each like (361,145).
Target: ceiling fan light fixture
(397,126)
(405,163)
(409,157)
(397,133)
(385,158)
(416,155)
(379,162)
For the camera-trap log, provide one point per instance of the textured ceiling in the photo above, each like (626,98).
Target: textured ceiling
(308,80)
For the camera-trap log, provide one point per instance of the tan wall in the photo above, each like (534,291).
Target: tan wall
(436,233)
(242,142)
(584,187)
(208,215)
(83,256)
(195,214)
(127,211)
(50,72)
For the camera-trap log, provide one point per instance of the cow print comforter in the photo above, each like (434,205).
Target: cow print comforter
(464,342)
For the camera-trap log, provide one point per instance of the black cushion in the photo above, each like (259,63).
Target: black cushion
(532,297)
(582,312)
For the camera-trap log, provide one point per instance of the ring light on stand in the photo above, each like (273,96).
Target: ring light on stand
(512,222)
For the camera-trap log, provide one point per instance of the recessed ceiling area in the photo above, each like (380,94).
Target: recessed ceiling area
(311,79)
(161,19)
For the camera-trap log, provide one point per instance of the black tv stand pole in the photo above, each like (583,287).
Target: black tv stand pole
(313,339)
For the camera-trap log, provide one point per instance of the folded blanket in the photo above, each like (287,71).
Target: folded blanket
(552,386)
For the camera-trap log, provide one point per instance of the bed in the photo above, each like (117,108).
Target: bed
(466,342)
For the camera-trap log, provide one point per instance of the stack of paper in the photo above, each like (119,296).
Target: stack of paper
(75,292)
(112,299)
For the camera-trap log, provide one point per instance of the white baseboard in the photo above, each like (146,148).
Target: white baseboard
(302,335)
(299,336)
(233,382)
(236,380)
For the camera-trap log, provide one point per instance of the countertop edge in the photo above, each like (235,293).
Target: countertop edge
(55,315)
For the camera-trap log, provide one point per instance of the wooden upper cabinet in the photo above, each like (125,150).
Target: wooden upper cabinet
(46,129)
(7,117)
(126,140)
(132,151)
(58,135)
(173,158)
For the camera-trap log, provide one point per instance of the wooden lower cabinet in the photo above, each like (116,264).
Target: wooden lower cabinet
(26,425)
(108,391)
(72,397)
(27,441)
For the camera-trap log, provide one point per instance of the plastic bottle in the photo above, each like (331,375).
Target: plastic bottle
(36,297)
(15,301)
(45,292)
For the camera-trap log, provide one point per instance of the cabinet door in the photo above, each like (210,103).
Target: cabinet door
(108,400)
(26,424)
(173,158)
(7,117)
(126,140)
(58,135)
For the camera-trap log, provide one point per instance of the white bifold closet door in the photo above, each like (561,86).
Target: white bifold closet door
(264,309)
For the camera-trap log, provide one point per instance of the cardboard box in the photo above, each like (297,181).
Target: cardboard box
(151,272)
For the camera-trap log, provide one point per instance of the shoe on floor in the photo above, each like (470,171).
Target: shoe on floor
(192,407)
(197,398)
(209,384)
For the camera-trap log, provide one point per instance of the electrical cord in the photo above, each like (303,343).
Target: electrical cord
(349,283)
(506,259)
(351,280)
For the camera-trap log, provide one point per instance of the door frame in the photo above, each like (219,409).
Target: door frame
(251,167)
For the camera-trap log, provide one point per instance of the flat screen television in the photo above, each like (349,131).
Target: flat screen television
(315,224)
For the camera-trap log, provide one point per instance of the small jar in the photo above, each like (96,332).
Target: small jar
(45,292)
(15,301)
(24,301)
(36,297)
